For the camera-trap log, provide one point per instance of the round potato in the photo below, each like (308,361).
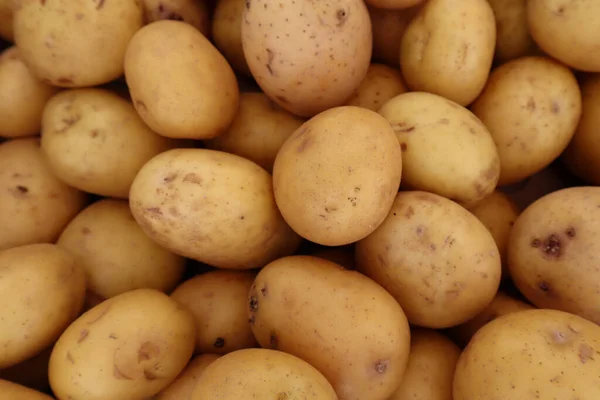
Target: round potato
(258,130)
(513,39)
(131,346)
(183,386)
(448,49)
(227,22)
(436,258)
(445,149)
(262,374)
(32,373)
(380,85)
(193,12)
(75,44)
(14,391)
(307,58)
(34,205)
(536,353)
(388,29)
(22,96)
(44,290)
(393,4)
(213,207)
(336,177)
(339,321)
(6,20)
(180,84)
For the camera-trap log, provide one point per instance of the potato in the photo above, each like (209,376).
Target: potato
(34,206)
(567,31)
(183,386)
(445,149)
(261,374)
(258,130)
(6,20)
(342,255)
(22,96)
(75,44)
(44,288)
(430,369)
(213,207)
(307,57)
(180,84)
(336,177)
(95,141)
(436,258)
(339,321)
(193,12)
(32,373)
(537,353)
(388,29)
(131,346)
(551,248)
(448,49)
(380,84)
(217,299)
(13,391)
(513,39)
(227,22)
(393,4)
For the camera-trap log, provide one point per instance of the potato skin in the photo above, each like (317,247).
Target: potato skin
(379,85)
(13,391)
(227,22)
(183,386)
(316,310)
(193,12)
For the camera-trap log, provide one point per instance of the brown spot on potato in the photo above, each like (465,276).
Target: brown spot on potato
(43,2)
(141,106)
(70,358)
(82,335)
(444,121)
(554,107)
(273,340)
(535,243)
(453,293)
(382,260)
(68,123)
(269,64)
(65,80)
(79,16)
(559,337)
(100,4)
(423,196)
(586,353)
(21,190)
(409,212)
(154,211)
(492,172)
(403,146)
(402,127)
(282,99)
(193,178)
(119,375)
(560,11)
(449,241)
(148,351)
(219,343)
(304,144)
(251,320)
(552,246)
(253,304)
(544,286)
(282,396)
(530,106)
(170,178)
(149,375)
(571,232)
(100,315)
(381,366)
(85,230)
(94,133)
(112,336)
(342,17)
(173,212)
(420,230)
(264,291)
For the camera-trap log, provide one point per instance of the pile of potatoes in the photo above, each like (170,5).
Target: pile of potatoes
(286,200)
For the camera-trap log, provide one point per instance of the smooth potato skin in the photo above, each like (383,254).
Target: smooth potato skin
(227,22)
(183,386)
(379,85)
(13,391)
(193,12)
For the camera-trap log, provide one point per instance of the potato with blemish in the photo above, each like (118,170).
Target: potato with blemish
(380,85)
(436,258)
(542,354)
(388,29)
(6,19)
(513,39)
(307,56)
(131,346)
(445,149)
(227,22)
(183,386)
(193,12)
(339,321)
(14,391)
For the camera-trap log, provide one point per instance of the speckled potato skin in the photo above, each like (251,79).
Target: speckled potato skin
(339,321)
(513,39)
(227,32)
(183,386)
(388,28)
(193,12)
(437,259)
(307,56)
(536,353)
(553,252)
(380,85)
(13,391)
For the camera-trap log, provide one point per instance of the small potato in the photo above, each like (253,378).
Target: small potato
(75,43)
(445,149)
(393,4)
(193,12)
(44,290)
(531,106)
(34,205)
(32,373)
(22,97)
(180,84)
(339,321)
(262,374)
(379,85)
(227,22)
(6,20)
(218,301)
(436,258)
(513,39)
(13,391)
(258,130)
(448,49)
(131,346)
(336,177)
(388,29)
(183,386)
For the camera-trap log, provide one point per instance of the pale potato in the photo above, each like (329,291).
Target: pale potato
(227,32)
(379,85)
(14,391)
(513,39)
(388,29)
(183,386)
(193,12)
(6,20)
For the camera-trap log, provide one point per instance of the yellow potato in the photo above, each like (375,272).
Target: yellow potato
(513,39)
(183,386)
(379,85)
(388,29)
(336,177)
(339,321)
(227,32)
(44,290)
(13,391)
(393,4)
(193,12)
(180,84)
(131,346)
(32,373)
(6,20)
(445,149)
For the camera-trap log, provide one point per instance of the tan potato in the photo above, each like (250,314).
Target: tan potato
(14,391)
(22,96)
(394,4)
(183,386)
(44,290)
(262,374)
(388,29)
(445,149)
(258,130)
(379,85)
(6,20)
(436,258)
(544,353)
(34,205)
(513,39)
(307,58)
(193,12)
(180,84)
(336,177)
(75,44)
(227,22)
(213,207)
(448,49)
(341,255)
(131,346)
(339,321)
(32,373)
(531,106)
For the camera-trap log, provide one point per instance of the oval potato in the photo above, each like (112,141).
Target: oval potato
(227,22)
(379,85)
(14,391)
(193,12)
(183,386)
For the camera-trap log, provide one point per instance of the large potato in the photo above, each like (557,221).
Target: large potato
(211,206)
(379,85)
(307,56)
(227,32)
(6,19)
(448,49)
(436,258)
(336,177)
(131,347)
(183,386)
(388,29)
(193,12)
(445,149)
(75,43)
(180,84)
(339,321)
(513,39)
(43,288)
(543,354)
(13,391)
